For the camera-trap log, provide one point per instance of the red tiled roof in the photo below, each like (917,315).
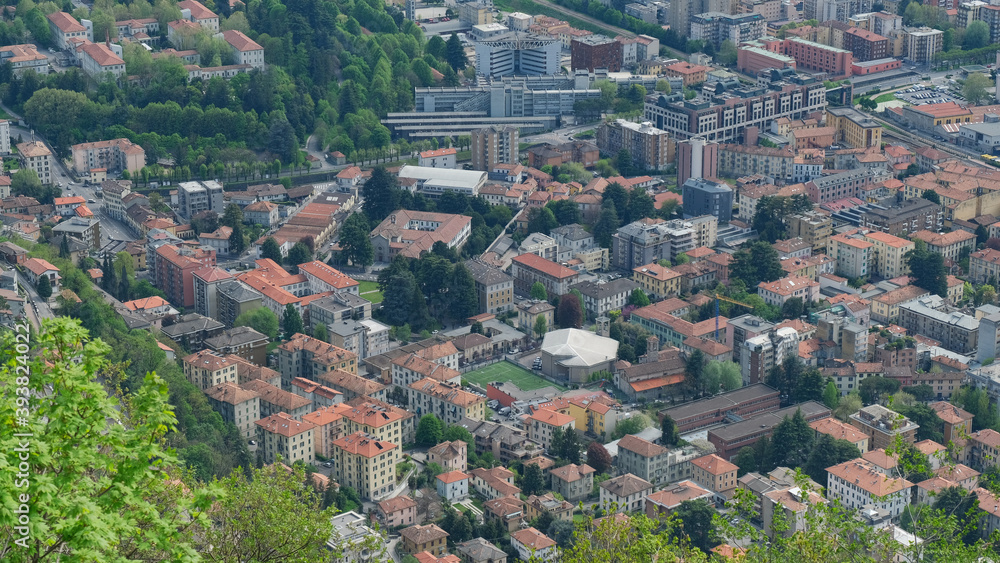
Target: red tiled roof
(547,267)
(240,42)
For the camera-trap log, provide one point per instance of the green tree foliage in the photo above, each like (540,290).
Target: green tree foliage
(976,84)
(25,182)
(263,320)
(746,461)
(532,482)
(831,396)
(569,314)
(298,254)
(282,503)
(566,211)
(758,264)
(380,195)
(722,376)
(270,250)
(355,242)
(237,240)
(541,220)
(44,287)
(320,332)
(538,292)
(462,293)
(827,452)
(638,298)
(455,53)
(977,34)
(928,268)
(292,322)
(931,195)
(791,441)
(877,389)
(607,225)
(671,437)
(930,423)
(632,425)
(541,326)
(809,387)
(112,461)
(793,308)
(694,370)
(429,431)
(695,518)
(979,405)
(848,405)
(727,53)
(598,457)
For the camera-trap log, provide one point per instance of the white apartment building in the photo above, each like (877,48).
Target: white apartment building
(36,156)
(857,483)
(246,50)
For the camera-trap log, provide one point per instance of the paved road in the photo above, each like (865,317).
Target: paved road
(559,136)
(36,309)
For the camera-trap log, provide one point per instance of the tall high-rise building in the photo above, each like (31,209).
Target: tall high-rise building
(681,12)
(697,158)
(514,53)
(494,145)
(703,196)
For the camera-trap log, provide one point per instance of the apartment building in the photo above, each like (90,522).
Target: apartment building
(844,184)
(658,281)
(530,268)
(305,356)
(35,156)
(882,425)
(596,51)
(246,51)
(643,459)
(174,271)
(573,482)
(233,298)
(494,145)
(743,160)
(865,45)
(282,438)
(814,227)
(241,341)
(984,449)
(651,240)
(115,155)
(780,291)
(366,464)
(854,129)
(601,298)
(649,146)
(329,428)
(236,405)
(931,316)
(543,422)
(921,44)
(853,255)
(715,473)
(948,245)
(761,353)
(67,32)
(625,493)
(274,400)
(888,254)
(841,431)
(857,483)
(207,369)
(445,400)
(86,229)
(324,278)
(665,502)
(727,117)
(716,27)
(494,288)
(984,265)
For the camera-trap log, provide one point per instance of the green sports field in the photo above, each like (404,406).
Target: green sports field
(506,371)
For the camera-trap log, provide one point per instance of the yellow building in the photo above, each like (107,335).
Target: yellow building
(888,259)
(814,227)
(854,128)
(282,435)
(656,280)
(369,418)
(714,472)
(366,464)
(885,307)
(207,369)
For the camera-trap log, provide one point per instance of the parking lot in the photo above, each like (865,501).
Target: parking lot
(920,94)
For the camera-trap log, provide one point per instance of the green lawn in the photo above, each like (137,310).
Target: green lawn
(506,371)
(366,286)
(373,296)
(887,97)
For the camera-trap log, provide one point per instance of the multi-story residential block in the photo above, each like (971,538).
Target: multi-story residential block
(596,51)
(844,184)
(494,483)
(530,268)
(650,240)
(658,281)
(452,456)
(114,191)
(697,158)
(601,298)
(780,291)
(650,147)
(715,27)
(948,245)
(396,511)
(205,283)
(410,368)
(530,544)
(282,436)
(494,145)
(366,464)
(853,255)
(984,265)
(885,307)
(665,502)
(246,51)
(174,271)
(529,311)
(931,316)
(866,45)
(199,14)
(841,431)
(854,128)
(35,156)
(86,229)
(236,405)
(889,254)
(233,298)
(100,61)
(743,160)
(814,227)
(543,422)
(274,400)
(305,356)
(573,482)
(67,32)
(625,493)
(207,369)
(409,233)
(115,155)
(703,196)
(643,458)
(22,58)
(494,288)
(761,353)
(324,278)
(195,197)
(263,213)
(241,341)
(920,44)
(882,425)
(191,331)
(857,483)
(909,217)
(329,428)
(984,449)
(445,400)
(728,116)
